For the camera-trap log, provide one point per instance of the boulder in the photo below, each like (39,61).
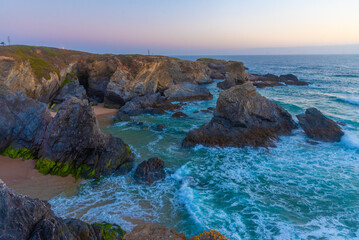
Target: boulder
(188,92)
(150,171)
(243,118)
(179,115)
(22,123)
(150,231)
(235,75)
(74,144)
(25,218)
(319,127)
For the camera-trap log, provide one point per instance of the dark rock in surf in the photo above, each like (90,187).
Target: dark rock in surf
(270,80)
(150,171)
(319,127)
(243,118)
(179,115)
(160,127)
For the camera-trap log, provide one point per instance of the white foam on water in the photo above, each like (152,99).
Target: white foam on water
(350,139)
(349,99)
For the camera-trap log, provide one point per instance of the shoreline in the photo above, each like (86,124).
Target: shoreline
(25,179)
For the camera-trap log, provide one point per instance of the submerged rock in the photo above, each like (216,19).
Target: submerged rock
(319,127)
(25,218)
(150,171)
(160,127)
(243,118)
(22,123)
(74,144)
(188,92)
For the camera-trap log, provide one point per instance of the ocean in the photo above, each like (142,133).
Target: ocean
(294,191)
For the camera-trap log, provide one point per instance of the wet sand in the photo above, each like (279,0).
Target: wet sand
(23,178)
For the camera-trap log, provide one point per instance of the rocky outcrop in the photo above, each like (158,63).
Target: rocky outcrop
(149,104)
(235,75)
(26,218)
(270,80)
(149,231)
(74,144)
(70,89)
(243,118)
(23,121)
(150,171)
(70,143)
(217,67)
(319,127)
(188,92)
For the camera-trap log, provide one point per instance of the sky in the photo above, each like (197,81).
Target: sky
(185,27)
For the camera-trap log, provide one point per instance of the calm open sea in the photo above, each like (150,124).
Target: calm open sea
(294,191)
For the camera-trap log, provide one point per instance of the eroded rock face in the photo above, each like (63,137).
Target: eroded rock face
(235,75)
(270,80)
(187,92)
(26,218)
(243,118)
(22,122)
(150,171)
(74,144)
(319,127)
(149,231)
(70,90)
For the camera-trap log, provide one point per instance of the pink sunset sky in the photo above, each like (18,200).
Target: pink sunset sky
(185,27)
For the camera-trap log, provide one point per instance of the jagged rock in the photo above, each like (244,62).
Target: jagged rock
(25,218)
(270,80)
(188,92)
(149,104)
(243,118)
(150,171)
(72,89)
(74,144)
(149,231)
(217,67)
(160,127)
(319,127)
(22,123)
(235,75)
(179,115)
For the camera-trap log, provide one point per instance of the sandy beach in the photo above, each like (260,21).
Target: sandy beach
(23,178)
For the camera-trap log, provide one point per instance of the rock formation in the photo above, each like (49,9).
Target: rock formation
(179,115)
(150,171)
(319,127)
(187,92)
(26,218)
(270,80)
(70,143)
(23,121)
(235,75)
(73,143)
(243,118)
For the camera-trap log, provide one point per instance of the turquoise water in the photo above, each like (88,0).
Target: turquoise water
(294,191)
